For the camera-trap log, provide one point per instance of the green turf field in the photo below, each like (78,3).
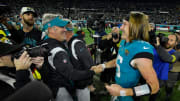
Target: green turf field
(96,96)
(89,40)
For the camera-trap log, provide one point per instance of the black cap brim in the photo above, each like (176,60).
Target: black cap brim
(35,15)
(6,49)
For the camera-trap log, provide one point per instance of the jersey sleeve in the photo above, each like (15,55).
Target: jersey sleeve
(144,50)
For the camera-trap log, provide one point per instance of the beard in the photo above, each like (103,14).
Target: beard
(28,22)
(169,46)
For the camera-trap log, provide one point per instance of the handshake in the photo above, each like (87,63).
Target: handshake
(99,68)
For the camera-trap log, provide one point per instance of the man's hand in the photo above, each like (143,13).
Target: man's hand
(38,61)
(117,90)
(97,69)
(157,41)
(115,30)
(24,62)
(114,89)
(109,36)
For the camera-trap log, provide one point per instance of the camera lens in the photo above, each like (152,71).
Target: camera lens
(114,35)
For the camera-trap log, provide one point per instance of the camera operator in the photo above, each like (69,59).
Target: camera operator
(109,46)
(152,33)
(21,67)
(176,66)
(164,57)
(100,30)
(98,25)
(19,87)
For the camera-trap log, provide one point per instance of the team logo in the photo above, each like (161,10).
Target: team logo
(64,61)
(126,52)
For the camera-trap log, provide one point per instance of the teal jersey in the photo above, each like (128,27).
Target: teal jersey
(126,75)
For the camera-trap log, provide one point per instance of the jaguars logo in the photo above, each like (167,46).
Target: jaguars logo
(126,52)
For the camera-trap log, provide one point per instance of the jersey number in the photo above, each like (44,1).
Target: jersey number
(118,62)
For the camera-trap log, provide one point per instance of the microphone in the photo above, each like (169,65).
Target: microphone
(33,91)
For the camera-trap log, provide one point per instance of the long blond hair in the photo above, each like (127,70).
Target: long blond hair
(138,29)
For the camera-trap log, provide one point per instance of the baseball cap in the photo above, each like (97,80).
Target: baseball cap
(55,22)
(6,48)
(28,9)
(69,26)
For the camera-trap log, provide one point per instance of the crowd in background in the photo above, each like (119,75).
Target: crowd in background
(159,12)
(66,65)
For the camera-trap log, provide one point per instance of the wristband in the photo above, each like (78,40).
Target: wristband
(122,93)
(142,90)
(103,66)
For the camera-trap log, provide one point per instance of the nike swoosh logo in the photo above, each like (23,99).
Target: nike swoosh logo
(146,47)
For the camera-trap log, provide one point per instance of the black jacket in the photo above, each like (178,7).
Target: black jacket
(81,59)
(21,77)
(59,70)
